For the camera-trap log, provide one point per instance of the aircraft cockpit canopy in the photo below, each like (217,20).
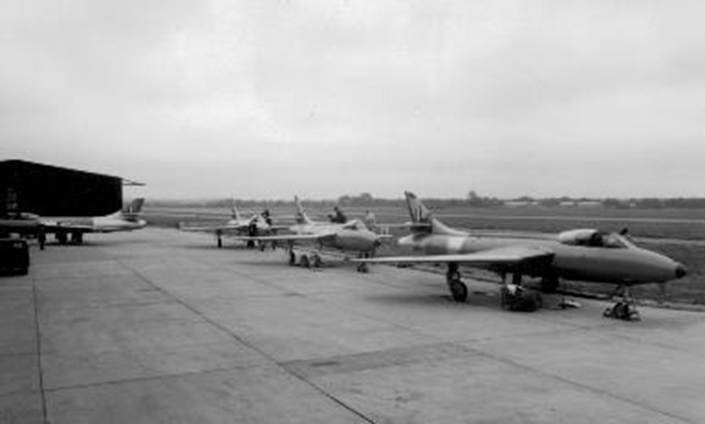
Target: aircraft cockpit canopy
(355,224)
(592,238)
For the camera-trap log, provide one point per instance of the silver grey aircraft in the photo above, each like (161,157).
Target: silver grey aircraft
(257,224)
(351,236)
(122,220)
(583,254)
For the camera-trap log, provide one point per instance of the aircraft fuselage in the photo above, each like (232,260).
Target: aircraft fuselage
(346,239)
(623,265)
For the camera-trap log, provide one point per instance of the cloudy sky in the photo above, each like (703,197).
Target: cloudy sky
(264,99)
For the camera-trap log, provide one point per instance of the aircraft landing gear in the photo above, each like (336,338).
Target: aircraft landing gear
(77,238)
(219,238)
(304,262)
(549,283)
(62,238)
(514,297)
(625,309)
(458,289)
(316,260)
(362,267)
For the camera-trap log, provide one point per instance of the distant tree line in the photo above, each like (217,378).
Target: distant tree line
(472,200)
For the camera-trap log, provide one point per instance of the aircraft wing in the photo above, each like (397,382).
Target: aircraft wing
(290,237)
(213,228)
(493,257)
(50,226)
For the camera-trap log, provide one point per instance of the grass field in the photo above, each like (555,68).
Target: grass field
(677,233)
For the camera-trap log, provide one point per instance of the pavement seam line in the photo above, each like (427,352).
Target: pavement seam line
(238,338)
(153,378)
(38,335)
(583,386)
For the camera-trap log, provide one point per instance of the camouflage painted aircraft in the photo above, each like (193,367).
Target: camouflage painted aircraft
(122,220)
(253,226)
(583,254)
(351,236)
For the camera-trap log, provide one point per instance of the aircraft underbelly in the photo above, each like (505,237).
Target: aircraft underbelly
(587,267)
(435,245)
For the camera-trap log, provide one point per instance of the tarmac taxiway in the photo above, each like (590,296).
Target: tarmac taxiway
(161,326)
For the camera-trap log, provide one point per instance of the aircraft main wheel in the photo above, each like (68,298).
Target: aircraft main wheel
(262,246)
(620,310)
(292,258)
(458,290)
(304,262)
(317,261)
(363,268)
(220,243)
(633,315)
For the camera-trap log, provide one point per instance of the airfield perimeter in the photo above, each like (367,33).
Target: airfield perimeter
(161,326)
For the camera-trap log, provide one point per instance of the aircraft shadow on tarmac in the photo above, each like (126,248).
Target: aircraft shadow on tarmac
(238,247)
(478,299)
(91,243)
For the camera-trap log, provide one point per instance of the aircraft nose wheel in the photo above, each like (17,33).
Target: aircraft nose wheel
(363,268)
(292,258)
(623,311)
(458,290)
(316,260)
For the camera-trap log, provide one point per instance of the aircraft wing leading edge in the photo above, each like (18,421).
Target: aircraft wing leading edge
(289,237)
(500,256)
(214,228)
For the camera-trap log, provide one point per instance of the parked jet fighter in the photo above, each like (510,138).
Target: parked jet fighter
(351,236)
(583,254)
(258,224)
(126,220)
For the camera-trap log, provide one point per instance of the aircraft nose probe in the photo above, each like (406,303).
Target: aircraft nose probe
(681,271)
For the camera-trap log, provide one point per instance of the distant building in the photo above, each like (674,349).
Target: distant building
(520,203)
(589,204)
(581,204)
(55,191)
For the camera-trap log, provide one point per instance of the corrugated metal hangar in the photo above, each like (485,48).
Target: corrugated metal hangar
(48,190)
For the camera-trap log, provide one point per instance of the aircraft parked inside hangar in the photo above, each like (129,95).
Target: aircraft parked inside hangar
(350,236)
(583,254)
(256,225)
(122,220)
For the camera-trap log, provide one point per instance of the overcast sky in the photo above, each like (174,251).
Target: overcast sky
(264,99)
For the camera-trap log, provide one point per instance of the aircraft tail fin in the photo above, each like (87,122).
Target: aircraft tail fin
(423,221)
(418,212)
(234,211)
(301,217)
(133,210)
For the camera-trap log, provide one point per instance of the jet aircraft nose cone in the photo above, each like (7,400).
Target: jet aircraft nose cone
(681,271)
